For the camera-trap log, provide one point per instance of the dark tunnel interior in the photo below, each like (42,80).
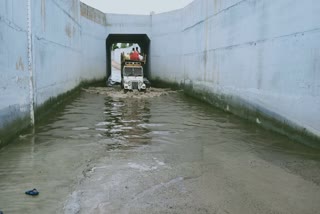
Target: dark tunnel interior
(141,39)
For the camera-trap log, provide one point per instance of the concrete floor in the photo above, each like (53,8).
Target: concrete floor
(194,178)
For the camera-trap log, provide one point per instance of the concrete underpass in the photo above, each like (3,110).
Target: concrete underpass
(233,128)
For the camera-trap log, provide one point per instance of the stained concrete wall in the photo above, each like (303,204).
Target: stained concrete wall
(261,54)
(68,46)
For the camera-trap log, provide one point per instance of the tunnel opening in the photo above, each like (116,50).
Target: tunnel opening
(142,40)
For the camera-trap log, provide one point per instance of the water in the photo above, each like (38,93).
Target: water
(167,154)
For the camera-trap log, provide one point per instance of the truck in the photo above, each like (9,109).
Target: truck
(132,76)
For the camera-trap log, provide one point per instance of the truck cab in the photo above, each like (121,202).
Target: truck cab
(132,76)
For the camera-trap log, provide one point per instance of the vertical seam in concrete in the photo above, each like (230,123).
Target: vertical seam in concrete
(206,43)
(30,60)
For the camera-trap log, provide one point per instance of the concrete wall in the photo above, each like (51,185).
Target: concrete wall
(67,48)
(166,46)
(14,76)
(93,43)
(128,24)
(56,47)
(260,53)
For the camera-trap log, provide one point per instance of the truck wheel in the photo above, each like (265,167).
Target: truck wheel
(125,90)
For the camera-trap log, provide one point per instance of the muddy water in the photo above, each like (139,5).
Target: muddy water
(163,154)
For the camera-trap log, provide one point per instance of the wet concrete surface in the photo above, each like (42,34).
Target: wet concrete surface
(162,154)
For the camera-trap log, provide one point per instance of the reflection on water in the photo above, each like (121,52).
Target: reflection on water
(123,119)
(54,157)
(57,157)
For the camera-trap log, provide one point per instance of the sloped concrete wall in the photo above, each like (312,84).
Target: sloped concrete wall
(67,48)
(261,54)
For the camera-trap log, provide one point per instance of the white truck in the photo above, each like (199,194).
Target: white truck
(132,77)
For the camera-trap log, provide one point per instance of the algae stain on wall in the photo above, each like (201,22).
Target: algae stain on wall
(20,64)
(69,30)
